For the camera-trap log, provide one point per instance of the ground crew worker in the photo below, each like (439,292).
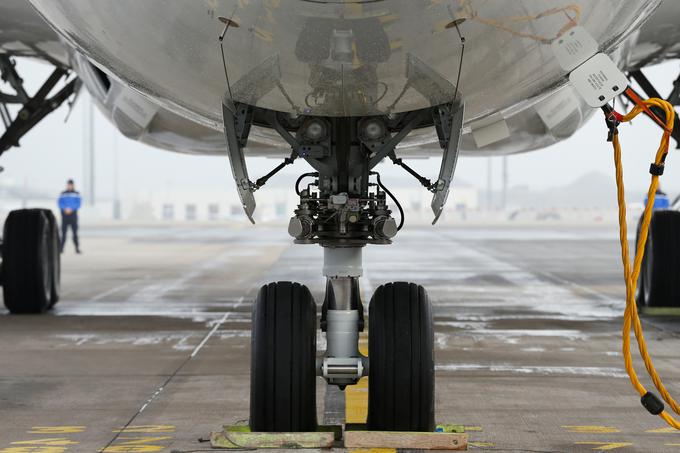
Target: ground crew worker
(69,204)
(661,201)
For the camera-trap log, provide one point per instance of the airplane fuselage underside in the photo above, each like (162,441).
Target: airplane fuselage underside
(349,59)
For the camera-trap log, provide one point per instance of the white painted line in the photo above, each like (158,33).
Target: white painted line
(115,289)
(214,329)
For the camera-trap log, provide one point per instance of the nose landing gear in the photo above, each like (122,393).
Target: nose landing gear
(343,208)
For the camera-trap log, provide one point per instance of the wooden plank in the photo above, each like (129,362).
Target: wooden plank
(235,439)
(335,429)
(406,440)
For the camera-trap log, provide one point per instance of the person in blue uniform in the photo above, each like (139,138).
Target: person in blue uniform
(69,204)
(661,200)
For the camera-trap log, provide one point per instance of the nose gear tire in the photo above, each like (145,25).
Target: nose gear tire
(283,359)
(401,372)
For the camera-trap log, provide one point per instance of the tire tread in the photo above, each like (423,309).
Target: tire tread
(401,382)
(283,374)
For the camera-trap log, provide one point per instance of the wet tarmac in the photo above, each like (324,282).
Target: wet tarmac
(149,349)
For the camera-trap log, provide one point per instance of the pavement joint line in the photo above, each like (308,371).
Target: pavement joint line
(165,383)
(115,289)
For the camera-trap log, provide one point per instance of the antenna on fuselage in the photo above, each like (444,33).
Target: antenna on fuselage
(228,22)
(456,24)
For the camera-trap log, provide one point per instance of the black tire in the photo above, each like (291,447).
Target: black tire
(283,359)
(401,354)
(55,257)
(660,272)
(27,275)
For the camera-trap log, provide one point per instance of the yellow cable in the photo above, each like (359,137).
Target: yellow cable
(631,318)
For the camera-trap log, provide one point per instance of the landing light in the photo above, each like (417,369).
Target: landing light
(315,130)
(373,129)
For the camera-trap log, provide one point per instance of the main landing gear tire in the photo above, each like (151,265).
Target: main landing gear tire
(400,349)
(30,261)
(55,257)
(283,359)
(659,282)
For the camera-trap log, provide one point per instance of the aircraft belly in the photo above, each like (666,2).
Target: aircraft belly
(338,59)
(24,33)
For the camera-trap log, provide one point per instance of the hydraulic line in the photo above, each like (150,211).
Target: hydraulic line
(299,180)
(631,319)
(396,202)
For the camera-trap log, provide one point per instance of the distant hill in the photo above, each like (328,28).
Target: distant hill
(591,190)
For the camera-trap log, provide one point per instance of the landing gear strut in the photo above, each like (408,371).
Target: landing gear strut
(33,109)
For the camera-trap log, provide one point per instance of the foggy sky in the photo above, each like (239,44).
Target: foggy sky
(53,152)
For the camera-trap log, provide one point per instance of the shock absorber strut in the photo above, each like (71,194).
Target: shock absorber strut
(342,364)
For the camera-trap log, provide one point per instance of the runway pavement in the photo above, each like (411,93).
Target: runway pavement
(149,348)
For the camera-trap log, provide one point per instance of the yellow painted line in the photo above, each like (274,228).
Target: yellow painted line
(664,430)
(481,444)
(363,344)
(141,440)
(33,449)
(374,450)
(672,445)
(472,428)
(51,445)
(132,449)
(57,429)
(356,402)
(605,446)
(137,445)
(356,396)
(146,429)
(53,442)
(591,429)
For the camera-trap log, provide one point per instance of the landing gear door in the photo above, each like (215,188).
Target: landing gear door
(449,125)
(236,128)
